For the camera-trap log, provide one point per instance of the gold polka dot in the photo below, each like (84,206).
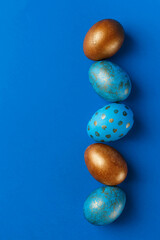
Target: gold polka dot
(91,136)
(108,136)
(103,116)
(88,128)
(104,127)
(124,113)
(107,107)
(120,123)
(128,125)
(114,130)
(115,111)
(111,120)
(97,134)
(121,135)
(95,123)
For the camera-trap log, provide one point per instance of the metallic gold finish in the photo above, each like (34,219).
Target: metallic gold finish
(126,91)
(108,136)
(111,120)
(120,123)
(128,125)
(105,164)
(104,127)
(97,134)
(103,39)
(124,113)
(103,116)
(95,123)
(116,111)
(114,130)
(121,135)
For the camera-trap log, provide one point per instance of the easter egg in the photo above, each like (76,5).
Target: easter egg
(110,123)
(104,205)
(105,164)
(109,81)
(103,39)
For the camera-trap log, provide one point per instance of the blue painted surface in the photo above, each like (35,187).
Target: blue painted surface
(104,205)
(46,101)
(109,81)
(110,123)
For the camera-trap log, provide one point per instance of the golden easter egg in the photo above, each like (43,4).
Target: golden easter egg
(103,39)
(105,164)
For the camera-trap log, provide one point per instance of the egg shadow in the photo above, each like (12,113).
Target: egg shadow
(132,175)
(136,93)
(129,210)
(138,130)
(127,48)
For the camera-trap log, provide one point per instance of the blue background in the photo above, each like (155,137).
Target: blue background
(45,103)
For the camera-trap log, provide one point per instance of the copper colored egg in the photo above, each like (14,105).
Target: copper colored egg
(105,164)
(103,39)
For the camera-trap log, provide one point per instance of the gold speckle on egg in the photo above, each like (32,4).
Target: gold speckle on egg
(95,123)
(115,111)
(120,85)
(114,130)
(108,136)
(126,107)
(128,125)
(97,134)
(121,135)
(107,107)
(88,128)
(103,116)
(104,127)
(111,120)
(120,123)
(124,113)
(126,91)
(102,140)
(91,136)
(96,113)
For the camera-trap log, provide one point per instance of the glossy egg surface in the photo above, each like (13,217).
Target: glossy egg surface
(103,39)
(110,123)
(105,164)
(104,205)
(109,81)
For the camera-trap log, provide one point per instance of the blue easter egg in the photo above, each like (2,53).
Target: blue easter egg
(109,81)
(104,205)
(110,123)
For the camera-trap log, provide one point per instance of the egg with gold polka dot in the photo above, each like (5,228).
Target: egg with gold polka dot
(110,123)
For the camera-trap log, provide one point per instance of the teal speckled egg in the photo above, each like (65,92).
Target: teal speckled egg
(104,205)
(109,81)
(110,123)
